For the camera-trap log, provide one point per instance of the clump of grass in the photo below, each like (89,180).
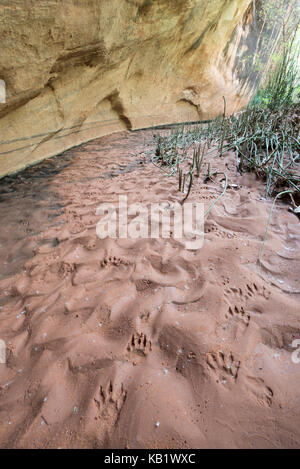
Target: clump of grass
(198,158)
(171,148)
(265,142)
(282,87)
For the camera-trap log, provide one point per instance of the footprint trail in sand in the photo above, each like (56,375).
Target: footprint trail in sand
(105,338)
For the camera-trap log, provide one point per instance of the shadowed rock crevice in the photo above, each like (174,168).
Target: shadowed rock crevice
(117,106)
(195,106)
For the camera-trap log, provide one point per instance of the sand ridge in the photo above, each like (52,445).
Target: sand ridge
(122,343)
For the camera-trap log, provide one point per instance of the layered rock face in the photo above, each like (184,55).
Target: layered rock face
(79,69)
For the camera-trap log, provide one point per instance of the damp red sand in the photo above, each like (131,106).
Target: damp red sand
(142,343)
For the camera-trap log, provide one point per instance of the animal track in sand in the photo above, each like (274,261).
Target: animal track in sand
(223,365)
(263,394)
(145,316)
(238,313)
(115,261)
(247,292)
(219,233)
(65,269)
(253,289)
(144,284)
(109,402)
(139,344)
(207,197)
(25,226)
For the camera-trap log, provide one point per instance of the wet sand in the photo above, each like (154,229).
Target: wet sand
(141,343)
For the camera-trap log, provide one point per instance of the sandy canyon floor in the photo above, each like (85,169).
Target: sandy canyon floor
(141,343)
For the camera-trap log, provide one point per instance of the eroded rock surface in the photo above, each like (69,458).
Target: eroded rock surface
(80,69)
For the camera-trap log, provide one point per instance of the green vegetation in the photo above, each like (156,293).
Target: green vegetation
(282,87)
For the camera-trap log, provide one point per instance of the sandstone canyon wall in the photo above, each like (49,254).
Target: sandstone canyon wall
(79,69)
